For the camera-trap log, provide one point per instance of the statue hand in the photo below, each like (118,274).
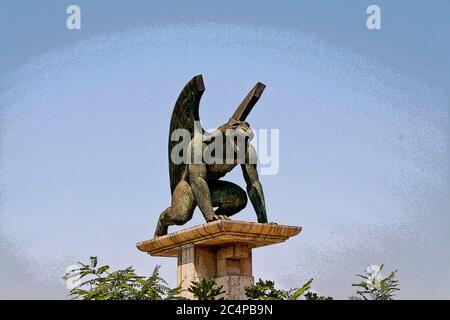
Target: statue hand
(218,217)
(267,222)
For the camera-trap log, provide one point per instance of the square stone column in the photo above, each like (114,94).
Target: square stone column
(220,249)
(234,270)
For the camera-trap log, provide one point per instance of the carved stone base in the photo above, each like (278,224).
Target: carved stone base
(220,250)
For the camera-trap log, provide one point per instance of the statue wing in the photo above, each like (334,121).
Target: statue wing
(184,115)
(249,102)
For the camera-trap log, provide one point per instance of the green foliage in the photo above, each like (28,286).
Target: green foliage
(295,294)
(99,283)
(265,290)
(374,287)
(206,290)
(313,296)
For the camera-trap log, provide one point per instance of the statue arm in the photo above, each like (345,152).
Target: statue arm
(197,175)
(255,191)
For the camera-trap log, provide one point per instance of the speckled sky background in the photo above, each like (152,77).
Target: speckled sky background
(363,120)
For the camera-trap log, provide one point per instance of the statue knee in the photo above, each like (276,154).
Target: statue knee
(182,216)
(179,221)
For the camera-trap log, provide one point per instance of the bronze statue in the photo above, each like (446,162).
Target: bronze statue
(199,183)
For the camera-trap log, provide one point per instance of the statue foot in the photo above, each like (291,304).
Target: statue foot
(266,222)
(161,230)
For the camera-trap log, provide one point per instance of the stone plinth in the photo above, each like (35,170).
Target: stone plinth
(220,249)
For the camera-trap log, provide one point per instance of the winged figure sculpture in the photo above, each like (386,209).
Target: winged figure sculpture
(198,160)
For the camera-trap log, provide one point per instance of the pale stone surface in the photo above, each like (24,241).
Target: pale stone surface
(218,233)
(234,259)
(220,249)
(194,264)
(234,286)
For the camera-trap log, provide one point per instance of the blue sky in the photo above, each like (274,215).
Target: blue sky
(363,120)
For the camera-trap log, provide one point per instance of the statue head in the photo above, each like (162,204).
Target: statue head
(238,128)
(236,134)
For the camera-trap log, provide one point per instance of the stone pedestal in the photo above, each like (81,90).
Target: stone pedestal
(220,249)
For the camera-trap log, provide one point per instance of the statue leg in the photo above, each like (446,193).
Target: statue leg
(228,197)
(181,210)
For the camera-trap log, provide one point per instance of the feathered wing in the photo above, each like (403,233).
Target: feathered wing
(184,115)
(249,102)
